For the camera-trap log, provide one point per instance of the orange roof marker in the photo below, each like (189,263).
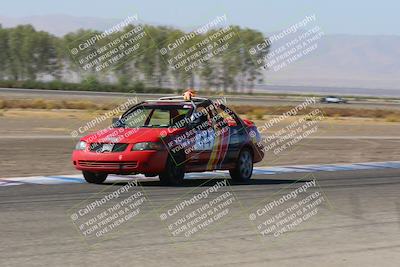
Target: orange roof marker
(187,96)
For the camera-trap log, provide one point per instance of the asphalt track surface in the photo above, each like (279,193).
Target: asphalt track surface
(357,224)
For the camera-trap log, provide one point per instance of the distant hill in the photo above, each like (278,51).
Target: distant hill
(340,60)
(346,61)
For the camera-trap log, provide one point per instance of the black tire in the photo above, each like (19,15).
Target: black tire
(244,167)
(174,171)
(94,178)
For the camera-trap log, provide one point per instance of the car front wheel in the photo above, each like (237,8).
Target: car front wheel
(244,167)
(174,172)
(94,178)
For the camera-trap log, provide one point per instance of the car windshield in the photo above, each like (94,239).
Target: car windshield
(156,116)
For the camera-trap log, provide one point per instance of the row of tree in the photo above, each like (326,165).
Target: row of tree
(27,54)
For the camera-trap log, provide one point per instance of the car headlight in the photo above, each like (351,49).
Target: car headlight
(81,145)
(146,146)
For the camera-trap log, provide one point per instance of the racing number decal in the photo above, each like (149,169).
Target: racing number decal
(204,140)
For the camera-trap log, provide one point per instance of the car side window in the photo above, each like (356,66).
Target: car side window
(206,112)
(178,117)
(226,115)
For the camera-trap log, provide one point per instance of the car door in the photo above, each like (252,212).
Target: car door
(203,135)
(230,139)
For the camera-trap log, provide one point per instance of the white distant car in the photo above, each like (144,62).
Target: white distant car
(333,99)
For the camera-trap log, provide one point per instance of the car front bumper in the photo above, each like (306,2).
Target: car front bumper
(120,162)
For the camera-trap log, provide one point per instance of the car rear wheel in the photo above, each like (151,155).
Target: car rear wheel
(244,167)
(174,172)
(94,178)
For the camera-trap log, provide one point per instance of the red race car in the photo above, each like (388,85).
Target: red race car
(169,137)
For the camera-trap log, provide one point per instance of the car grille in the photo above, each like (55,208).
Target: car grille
(105,147)
(108,164)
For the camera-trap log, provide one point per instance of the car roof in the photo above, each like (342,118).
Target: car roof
(179,100)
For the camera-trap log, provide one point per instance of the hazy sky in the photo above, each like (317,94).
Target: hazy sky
(340,16)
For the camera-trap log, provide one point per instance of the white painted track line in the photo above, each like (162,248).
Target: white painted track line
(77,178)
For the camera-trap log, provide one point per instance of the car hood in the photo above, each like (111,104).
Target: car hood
(130,135)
